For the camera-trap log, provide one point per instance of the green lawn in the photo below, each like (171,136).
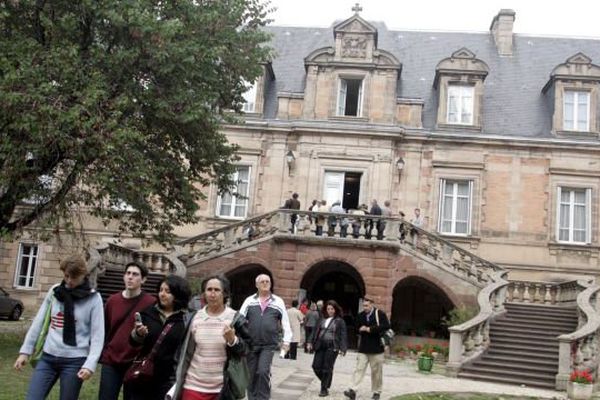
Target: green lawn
(13,384)
(460,396)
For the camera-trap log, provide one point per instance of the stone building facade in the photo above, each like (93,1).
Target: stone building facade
(493,135)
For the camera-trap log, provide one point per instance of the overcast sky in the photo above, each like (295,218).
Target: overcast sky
(551,17)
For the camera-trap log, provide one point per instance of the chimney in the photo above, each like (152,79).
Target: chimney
(502,30)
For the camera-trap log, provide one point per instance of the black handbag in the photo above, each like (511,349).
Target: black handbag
(142,368)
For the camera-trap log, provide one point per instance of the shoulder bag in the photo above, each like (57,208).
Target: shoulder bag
(38,348)
(386,337)
(238,373)
(142,368)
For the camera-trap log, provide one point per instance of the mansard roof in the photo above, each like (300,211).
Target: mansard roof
(513,102)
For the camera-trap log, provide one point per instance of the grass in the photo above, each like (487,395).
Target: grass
(13,384)
(459,396)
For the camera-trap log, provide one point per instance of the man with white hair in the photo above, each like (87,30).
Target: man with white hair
(266,314)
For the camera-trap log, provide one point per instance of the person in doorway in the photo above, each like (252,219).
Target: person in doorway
(372,322)
(293,204)
(265,313)
(296,320)
(75,335)
(119,321)
(328,340)
(162,323)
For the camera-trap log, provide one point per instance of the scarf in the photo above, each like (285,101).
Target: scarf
(68,297)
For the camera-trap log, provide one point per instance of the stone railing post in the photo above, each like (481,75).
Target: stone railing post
(455,353)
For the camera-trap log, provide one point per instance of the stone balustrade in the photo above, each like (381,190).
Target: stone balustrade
(471,338)
(339,227)
(110,255)
(564,293)
(581,349)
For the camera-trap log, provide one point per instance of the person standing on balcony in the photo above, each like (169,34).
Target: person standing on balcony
(372,322)
(386,211)
(417,222)
(357,222)
(375,210)
(338,209)
(119,321)
(320,220)
(266,315)
(293,204)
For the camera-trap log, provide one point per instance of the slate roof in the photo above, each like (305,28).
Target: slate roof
(513,103)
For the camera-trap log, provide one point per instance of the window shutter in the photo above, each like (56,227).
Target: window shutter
(342,98)
(360,99)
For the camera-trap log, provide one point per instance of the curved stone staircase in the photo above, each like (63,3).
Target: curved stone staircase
(524,346)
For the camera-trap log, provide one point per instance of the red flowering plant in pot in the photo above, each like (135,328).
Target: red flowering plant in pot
(581,376)
(580,385)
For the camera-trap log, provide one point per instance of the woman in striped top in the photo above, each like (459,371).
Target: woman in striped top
(214,335)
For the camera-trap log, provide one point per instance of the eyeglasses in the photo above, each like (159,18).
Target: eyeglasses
(264,281)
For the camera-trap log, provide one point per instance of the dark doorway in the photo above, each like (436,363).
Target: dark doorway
(351,190)
(243,282)
(334,280)
(418,307)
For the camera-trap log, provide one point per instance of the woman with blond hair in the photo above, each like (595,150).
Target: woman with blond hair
(75,335)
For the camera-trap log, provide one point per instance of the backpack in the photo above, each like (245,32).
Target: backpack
(387,337)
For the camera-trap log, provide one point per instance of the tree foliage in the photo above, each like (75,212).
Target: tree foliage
(113,107)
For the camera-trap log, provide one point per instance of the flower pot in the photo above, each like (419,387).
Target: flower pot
(579,391)
(425,363)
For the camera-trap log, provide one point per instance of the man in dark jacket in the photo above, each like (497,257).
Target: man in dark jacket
(293,204)
(372,323)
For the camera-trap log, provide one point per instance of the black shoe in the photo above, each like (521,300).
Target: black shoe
(375,396)
(324,393)
(351,394)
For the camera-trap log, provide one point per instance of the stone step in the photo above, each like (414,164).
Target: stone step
(542,321)
(510,324)
(112,282)
(530,347)
(515,366)
(517,330)
(535,307)
(518,357)
(523,337)
(511,352)
(513,380)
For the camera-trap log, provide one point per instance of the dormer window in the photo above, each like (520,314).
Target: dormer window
(250,97)
(576,111)
(459,82)
(460,104)
(350,97)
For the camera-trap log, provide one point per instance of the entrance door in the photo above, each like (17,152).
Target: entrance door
(342,186)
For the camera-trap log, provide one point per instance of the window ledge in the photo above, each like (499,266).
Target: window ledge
(348,118)
(458,127)
(556,247)
(472,241)
(577,134)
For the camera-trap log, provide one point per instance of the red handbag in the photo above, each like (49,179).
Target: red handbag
(142,368)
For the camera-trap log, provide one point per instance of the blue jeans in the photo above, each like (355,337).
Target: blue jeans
(51,368)
(111,380)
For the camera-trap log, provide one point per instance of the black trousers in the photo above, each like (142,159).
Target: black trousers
(293,352)
(323,364)
(307,332)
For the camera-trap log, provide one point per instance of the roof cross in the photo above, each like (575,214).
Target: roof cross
(357,8)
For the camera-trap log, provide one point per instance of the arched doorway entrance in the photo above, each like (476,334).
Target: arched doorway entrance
(339,281)
(242,281)
(418,307)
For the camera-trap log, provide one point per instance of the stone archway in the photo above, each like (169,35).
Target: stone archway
(418,306)
(339,281)
(242,281)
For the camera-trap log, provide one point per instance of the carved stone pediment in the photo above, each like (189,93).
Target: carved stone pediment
(354,24)
(578,67)
(464,62)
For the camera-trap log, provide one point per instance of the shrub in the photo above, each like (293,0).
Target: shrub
(458,315)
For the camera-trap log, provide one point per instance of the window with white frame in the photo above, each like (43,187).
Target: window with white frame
(235,203)
(460,104)
(455,207)
(350,97)
(26,265)
(250,97)
(576,111)
(574,215)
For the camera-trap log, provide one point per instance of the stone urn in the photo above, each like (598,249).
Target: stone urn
(579,391)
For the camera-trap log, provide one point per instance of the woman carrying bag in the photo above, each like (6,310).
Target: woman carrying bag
(74,338)
(159,332)
(328,340)
(215,342)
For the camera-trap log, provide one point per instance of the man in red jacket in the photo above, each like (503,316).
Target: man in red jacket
(119,320)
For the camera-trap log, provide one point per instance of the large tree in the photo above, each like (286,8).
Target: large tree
(113,107)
